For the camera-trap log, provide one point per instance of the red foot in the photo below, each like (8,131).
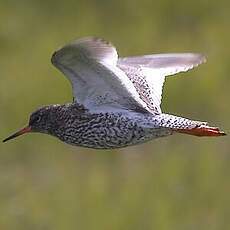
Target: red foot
(202,131)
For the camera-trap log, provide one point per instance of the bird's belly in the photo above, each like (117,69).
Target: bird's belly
(108,138)
(111,132)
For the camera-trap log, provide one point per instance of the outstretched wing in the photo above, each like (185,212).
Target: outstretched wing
(148,73)
(91,66)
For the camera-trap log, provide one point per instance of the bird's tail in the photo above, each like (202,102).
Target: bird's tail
(203,131)
(196,128)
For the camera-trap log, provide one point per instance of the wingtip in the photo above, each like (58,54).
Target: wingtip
(203,59)
(200,59)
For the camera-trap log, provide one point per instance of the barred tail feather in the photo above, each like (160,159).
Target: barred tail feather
(187,126)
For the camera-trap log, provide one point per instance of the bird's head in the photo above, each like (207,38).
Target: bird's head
(40,121)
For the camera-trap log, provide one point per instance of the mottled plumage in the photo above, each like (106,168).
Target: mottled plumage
(116,100)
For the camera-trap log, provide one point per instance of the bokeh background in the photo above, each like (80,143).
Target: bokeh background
(180,182)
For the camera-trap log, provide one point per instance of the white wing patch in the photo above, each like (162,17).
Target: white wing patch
(168,64)
(155,80)
(98,84)
(148,84)
(151,71)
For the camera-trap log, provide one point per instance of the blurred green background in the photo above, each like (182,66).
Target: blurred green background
(180,182)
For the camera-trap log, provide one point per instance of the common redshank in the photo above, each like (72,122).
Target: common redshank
(116,100)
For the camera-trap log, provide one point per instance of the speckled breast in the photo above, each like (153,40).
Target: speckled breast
(108,130)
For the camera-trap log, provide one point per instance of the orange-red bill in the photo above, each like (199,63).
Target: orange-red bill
(27,129)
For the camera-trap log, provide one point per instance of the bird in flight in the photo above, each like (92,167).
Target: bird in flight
(116,100)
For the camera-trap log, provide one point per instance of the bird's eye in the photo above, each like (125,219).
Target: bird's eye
(37,119)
